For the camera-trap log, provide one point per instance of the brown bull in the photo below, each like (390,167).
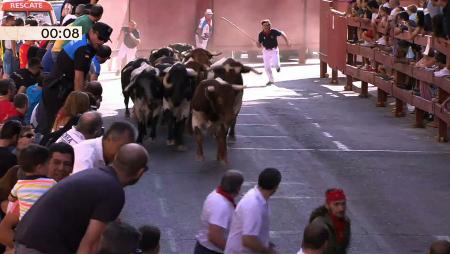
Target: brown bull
(201,56)
(212,108)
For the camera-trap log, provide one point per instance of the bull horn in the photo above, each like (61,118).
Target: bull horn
(215,54)
(191,72)
(166,82)
(238,87)
(211,89)
(167,69)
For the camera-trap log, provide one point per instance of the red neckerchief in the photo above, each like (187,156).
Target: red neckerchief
(266,33)
(339,227)
(226,195)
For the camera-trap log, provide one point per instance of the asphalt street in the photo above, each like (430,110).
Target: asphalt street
(397,178)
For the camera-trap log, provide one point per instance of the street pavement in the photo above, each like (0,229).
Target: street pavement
(396,177)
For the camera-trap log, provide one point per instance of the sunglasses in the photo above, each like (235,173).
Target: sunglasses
(28,135)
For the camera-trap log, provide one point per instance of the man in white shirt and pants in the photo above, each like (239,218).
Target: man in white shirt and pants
(249,232)
(204,30)
(216,215)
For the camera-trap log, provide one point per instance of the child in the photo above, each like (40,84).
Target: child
(33,160)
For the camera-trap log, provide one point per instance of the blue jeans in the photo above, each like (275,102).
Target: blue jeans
(8,62)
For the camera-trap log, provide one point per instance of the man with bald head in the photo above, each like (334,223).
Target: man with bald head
(217,212)
(89,126)
(72,215)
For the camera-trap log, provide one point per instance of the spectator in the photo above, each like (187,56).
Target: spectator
(86,22)
(249,232)
(76,103)
(315,239)
(23,78)
(217,212)
(34,94)
(94,90)
(332,216)
(101,151)
(431,10)
(70,6)
(9,135)
(61,161)
(26,138)
(150,236)
(440,247)
(6,96)
(9,48)
(92,199)
(79,11)
(119,238)
(33,161)
(69,73)
(20,108)
(89,126)
(444,72)
(103,54)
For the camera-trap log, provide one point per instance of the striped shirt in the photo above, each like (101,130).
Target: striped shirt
(29,190)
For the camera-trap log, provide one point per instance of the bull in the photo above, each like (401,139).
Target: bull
(230,71)
(142,84)
(212,108)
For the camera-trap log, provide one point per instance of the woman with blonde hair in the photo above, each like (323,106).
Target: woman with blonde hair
(76,104)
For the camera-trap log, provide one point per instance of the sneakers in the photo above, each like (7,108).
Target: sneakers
(442,73)
(278,69)
(381,41)
(269,83)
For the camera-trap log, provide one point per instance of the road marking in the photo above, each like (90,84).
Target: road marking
(341,146)
(256,124)
(278,234)
(334,95)
(308,117)
(297,108)
(326,134)
(163,206)
(248,114)
(250,183)
(316,124)
(290,103)
(158,185)
(442,237)
(295,197)
(337,150)
(270,149)
(171,240)
(244,136)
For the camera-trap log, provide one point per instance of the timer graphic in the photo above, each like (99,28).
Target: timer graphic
(40,33)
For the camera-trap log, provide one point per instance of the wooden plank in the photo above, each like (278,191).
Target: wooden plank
(402,94)
(383,58)
(352,71)
(353,49)
(441,46)
(442,113)
(404,36)
(403,68)
(366,76)
(384,85)
(367,52)
(366,24)
(422,104)
(422,40)
(353,22)
(442,83)
(423,75)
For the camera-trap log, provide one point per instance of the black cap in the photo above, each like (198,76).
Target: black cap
(104,31)
(104,51)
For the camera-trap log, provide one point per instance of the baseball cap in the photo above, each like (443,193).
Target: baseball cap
(104,51)
(104,31)
(209,12)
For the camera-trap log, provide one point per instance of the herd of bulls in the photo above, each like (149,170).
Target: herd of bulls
(182,85)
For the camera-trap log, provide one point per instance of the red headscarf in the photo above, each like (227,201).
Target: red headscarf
(338,223)
(335,195)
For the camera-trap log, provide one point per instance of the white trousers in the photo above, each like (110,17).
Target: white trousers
(271,59)
(200,43)
(124,51)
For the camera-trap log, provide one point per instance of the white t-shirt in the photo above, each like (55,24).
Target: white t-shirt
(250,218)
(88,154)
(300,251)
(217,210)
(205,28)
(71,137)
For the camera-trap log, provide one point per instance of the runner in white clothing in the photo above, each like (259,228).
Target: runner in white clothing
(271,54)
(249,231)
(216,215)
(204,30)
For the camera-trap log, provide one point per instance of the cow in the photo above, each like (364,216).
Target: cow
(212,108)
(230,71)
(179,86)
(181,49)
(143,85)
(125,80)
(161,53)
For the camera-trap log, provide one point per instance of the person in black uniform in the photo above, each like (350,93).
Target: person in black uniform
(271,54)
(69,73)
